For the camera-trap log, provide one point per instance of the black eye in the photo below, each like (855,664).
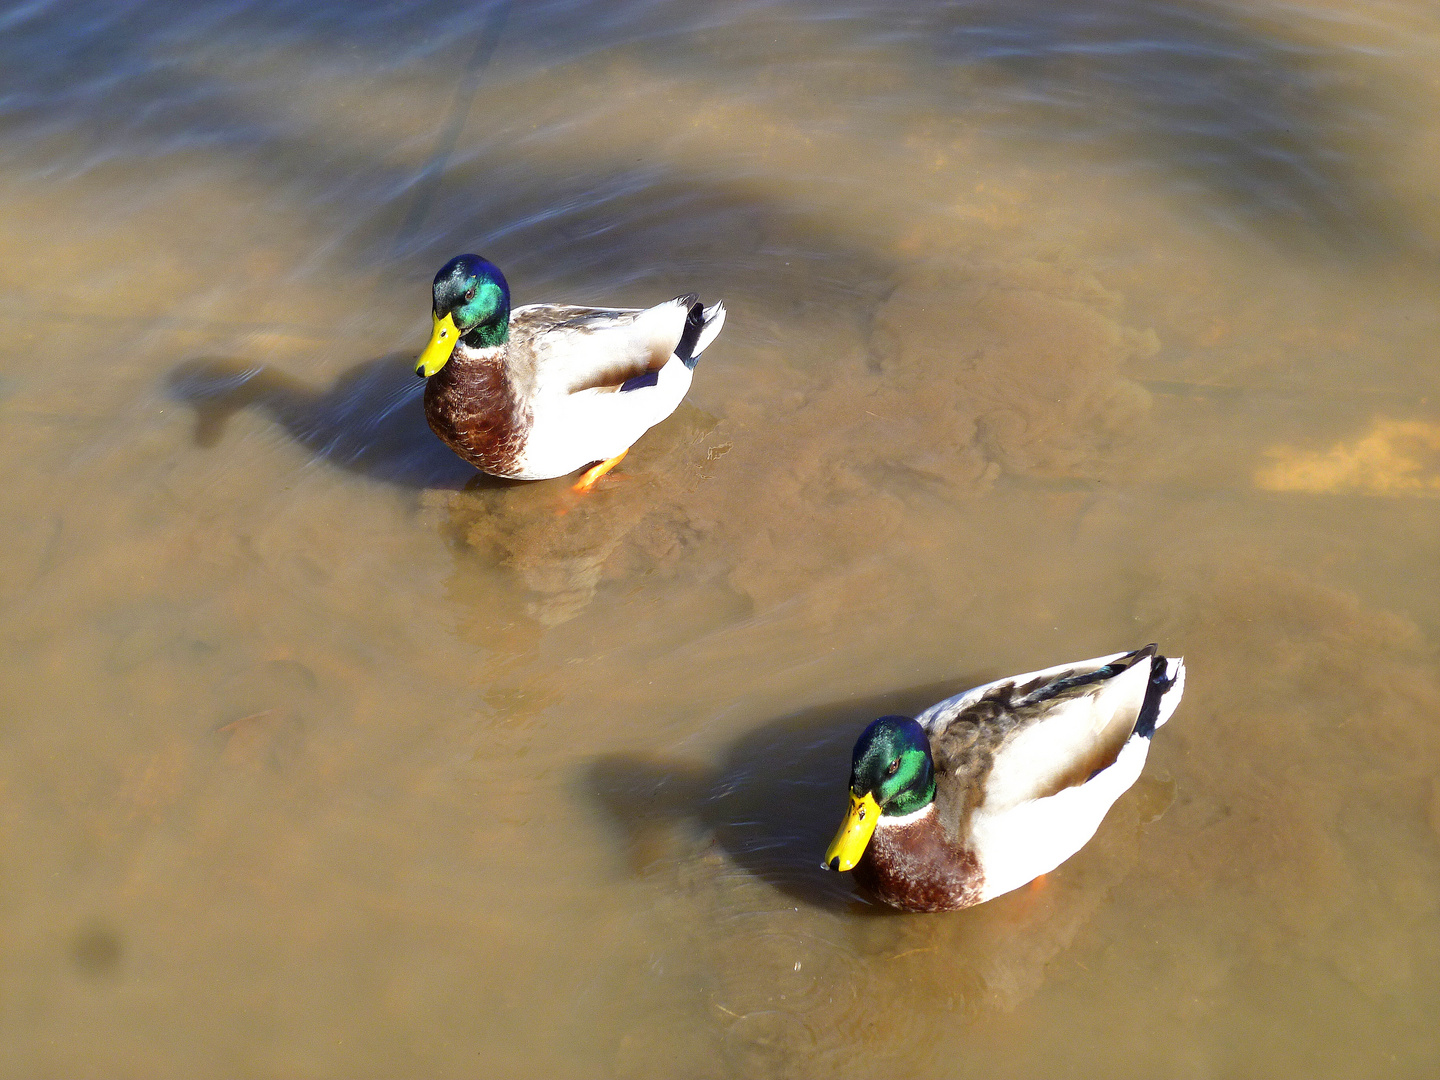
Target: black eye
(470,294)
(893,768)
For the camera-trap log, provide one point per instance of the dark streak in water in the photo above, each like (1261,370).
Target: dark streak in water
(428,182)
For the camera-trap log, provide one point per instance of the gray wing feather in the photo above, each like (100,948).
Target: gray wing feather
(571,349)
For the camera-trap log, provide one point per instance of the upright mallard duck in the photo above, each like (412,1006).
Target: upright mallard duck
(548,389)
(993,787)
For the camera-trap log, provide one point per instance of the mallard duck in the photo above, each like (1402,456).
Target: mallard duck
(548,389)
(994,787)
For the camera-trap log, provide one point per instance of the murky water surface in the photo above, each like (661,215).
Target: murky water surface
(1055,328)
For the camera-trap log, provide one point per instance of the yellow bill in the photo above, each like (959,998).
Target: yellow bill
(442,343)
(854,835)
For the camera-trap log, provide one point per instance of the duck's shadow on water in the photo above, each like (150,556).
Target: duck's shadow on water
(772,804)
(371,421)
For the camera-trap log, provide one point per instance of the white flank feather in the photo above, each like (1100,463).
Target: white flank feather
(576,414)
(1021,843)
(597,424)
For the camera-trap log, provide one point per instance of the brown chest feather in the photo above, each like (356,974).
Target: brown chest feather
(918,868)
(473,408)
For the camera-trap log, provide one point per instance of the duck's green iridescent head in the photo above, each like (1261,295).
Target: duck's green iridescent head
(891,773)
(472,301)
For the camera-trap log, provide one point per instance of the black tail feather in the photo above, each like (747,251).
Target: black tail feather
(1160,681)
(694,323)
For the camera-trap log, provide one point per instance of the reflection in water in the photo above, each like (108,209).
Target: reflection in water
(559,544)
(325,756)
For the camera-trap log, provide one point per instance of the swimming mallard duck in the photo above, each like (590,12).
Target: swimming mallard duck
(548,389)
(993,787)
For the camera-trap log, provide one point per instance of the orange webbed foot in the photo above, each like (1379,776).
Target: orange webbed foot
(595,472)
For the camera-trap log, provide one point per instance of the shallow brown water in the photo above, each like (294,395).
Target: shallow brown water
(1055,328)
